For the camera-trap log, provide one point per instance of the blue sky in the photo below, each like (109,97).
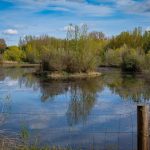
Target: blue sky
(37,17)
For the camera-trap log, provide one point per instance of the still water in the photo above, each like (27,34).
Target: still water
(97,113)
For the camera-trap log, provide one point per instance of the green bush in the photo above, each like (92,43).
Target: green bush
(113,58)
(1,59)
(69,61)
(31,54)
(13,53)
(147,61)
(3,46)
(131,61)
(52,60)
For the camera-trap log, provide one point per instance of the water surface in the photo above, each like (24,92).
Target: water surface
(97,113)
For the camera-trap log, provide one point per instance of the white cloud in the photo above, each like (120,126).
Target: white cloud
(58,9)
(134,7)
(38,17)
(78,7)
(82,7)
(10,31)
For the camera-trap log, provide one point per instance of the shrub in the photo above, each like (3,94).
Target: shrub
(147,61)
(31,55)
(72,61)
(13,53)
(131,61)
(77,53)
(1,59)
(113,58)
(52,60)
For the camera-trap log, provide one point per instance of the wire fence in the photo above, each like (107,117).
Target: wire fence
(111,132)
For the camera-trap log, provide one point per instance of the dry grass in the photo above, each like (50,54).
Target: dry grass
(64,75)
(9,140)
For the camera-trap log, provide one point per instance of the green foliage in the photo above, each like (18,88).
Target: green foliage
(24,133)
(2,46)
(33,47)
(1,59)
(13,53)
(131,61)
(146,41)
(53,60)
(31,55)
(77,53)
(82,51)
(128,59)
(113,57)
(147,61)
(132,39)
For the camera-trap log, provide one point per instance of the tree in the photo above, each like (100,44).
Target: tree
(131,61)
(146,41)
(97,35)
(13,53)
(2,46)
(131,39)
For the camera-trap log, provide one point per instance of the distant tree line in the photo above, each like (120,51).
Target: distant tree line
(82,51)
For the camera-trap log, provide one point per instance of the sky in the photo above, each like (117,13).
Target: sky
(52,17)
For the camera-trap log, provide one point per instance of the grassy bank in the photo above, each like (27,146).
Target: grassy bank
(65,75)
(17,64)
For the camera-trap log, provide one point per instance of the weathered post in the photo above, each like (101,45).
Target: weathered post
(143,127)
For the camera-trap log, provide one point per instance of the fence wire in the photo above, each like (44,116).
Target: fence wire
(98,136)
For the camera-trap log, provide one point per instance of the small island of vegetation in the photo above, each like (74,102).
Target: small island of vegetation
(81,52)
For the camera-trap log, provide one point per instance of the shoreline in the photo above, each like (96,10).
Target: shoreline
(17,64)
(65,75)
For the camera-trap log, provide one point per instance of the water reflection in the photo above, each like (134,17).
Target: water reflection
(83,98)
(76,104)
(82,92)
(5,108)
(50,89)
(129,87)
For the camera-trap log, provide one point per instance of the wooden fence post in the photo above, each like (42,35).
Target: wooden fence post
(143,127)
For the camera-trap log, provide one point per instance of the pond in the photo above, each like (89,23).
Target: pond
(97,113)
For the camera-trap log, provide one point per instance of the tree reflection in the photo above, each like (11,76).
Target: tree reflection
(16,73)
(83,92)
(22,75)
(51,89)
(29,81)
(5,107)
(83,98)
(129,87)
(2,76)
